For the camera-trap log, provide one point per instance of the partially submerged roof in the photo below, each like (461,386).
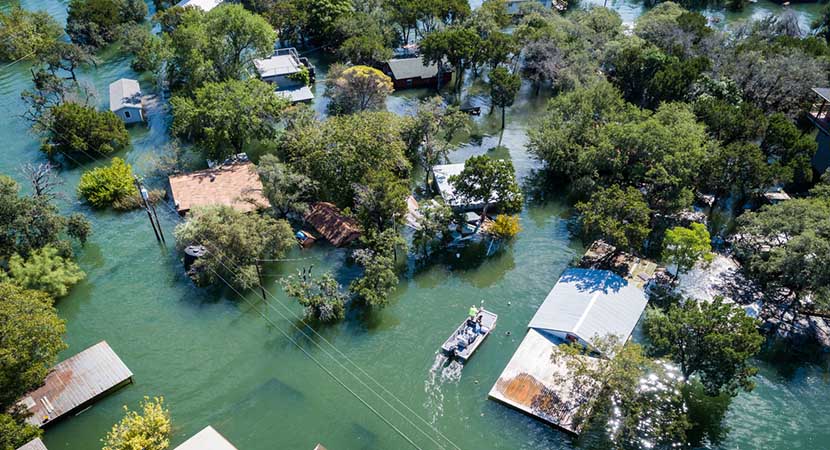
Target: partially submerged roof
(823,93)
(236,185)
(281,63)
(300,94)
(590,303)
(204,5)
(442,173)
(406,68)
(34,444)
(75,382)
(332,224)
(207,439)
(125,93)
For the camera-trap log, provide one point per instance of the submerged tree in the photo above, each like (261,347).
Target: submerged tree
(684,247)
(621,217)
(357,88)
(45,270)
(379,279)
(321,297)
(75,129)
(489,182)
(432,223)
(287,191)
(503,89)
(148,430)
(26,34)
(96,23)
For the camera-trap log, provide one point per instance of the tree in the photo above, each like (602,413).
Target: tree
(24,33)
(236,243)
(31,223)
(321,297)
(96,23)
(216,46)
(287,191)
(821,24)
(619,216)
(357,88)
(504,227)
(30,340)
(728,122)
(341,152)
(74,129)
(684,247)
(379,279)
(503,89)
(456,46)
(430,134)
(790,148)
(433,222)
(711,340)
(322,16)
(739,167)
(45,270)
(108,185)
(148,49)
(490,182)
(365,37)
(14,434)
(223,118)
(43,178)
(149,430)
(381,202)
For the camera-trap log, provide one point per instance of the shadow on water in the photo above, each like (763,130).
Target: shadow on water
(787,356)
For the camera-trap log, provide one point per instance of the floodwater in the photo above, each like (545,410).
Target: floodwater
(250,369)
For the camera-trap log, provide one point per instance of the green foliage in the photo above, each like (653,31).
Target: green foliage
(504,227)
(684,247)
(457,46)
(503,89)
(729,122)
(321,297)
(216,46)
(76,129)
(24,33)
(740,168)
(106,185)
(343,151)
(379,279)
(96,23)
(791,148)
(45,270)
(14,434)
(148,430)
(381,202)
(223,118)
(821,24)
(710,340)
(621,217)
(147,49)
(433,221)
(287,191)
(30,340)
(31,223)
(490,182)
(301,76)
(366,37)
(322,15)
(355,89)
(235,243)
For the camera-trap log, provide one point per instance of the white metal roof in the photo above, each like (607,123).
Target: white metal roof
(591,303)
(207,439)
(277,65)
(204,5)
(442,177)
(34,444)
(124,93)
(299,94)
(405,68)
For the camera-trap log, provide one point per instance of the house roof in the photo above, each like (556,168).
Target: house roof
(236,185)
(405,68)
(204,5)
(34,444)
(590,303)
(332,224)
(823,93)
(207,439)
(125,93)
(299,94)
(442,174)
(75,382)
(278,64)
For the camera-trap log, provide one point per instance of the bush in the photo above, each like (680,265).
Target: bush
(45,270)
(504,227)
(79,129)
(108,185)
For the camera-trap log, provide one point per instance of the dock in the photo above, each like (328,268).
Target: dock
(75,383)
(585,304)
(34,444)
(207,439)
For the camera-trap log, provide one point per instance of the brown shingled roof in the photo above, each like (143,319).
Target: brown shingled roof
(332,224)
(236,185)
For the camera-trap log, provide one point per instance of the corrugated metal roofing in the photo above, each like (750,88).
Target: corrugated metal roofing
(75,382)
(207,439)
(406,68)
(589,303)
(300,94)
(34,444)
(124,93)
(204,5)
(823,92)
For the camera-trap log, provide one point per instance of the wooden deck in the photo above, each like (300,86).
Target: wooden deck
(34,444)
(75,383)
(207,439)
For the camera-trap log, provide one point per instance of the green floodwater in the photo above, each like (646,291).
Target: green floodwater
(222,360)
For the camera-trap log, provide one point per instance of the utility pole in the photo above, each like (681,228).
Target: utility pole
(259,276)
(143,202)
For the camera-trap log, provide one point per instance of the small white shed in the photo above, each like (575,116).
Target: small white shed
(125,100)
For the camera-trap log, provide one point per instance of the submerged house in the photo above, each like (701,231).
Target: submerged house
(204,5)
(337,228)
(75,383)
(207,439)
(235,184)
(284,69)
(125,100)
(407,73)
(441,183)
(584,305)
(820,116)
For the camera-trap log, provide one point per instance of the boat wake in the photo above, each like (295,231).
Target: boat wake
(443,370)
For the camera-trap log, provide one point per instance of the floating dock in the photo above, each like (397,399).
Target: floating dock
(75,383)
(34,444)
(207,439)
(583,305)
